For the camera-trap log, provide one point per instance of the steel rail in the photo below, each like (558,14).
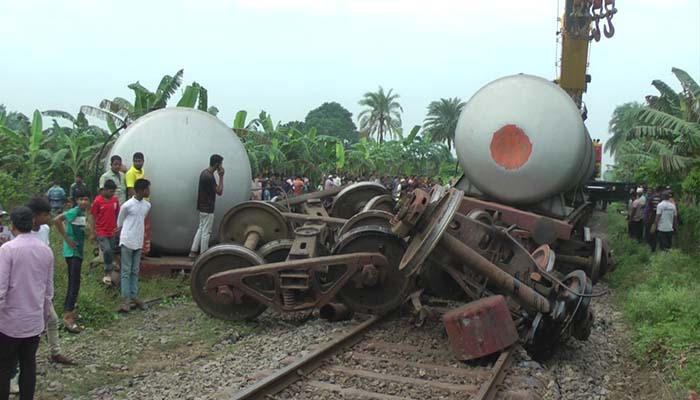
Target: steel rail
(489,388)
(296,371)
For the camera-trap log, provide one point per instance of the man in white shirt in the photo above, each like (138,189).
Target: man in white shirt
(636,216)
(666,221)
(131,222)
(329,184)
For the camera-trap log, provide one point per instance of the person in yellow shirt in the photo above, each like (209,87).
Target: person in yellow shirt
(135,173)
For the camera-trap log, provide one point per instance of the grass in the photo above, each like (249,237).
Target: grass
(660,294)
(97,304)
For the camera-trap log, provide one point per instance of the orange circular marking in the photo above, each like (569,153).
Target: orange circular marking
(510,147)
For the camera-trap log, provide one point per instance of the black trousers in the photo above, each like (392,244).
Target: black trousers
(650,236)
(636,230)
(665,239)
(24,350)
(73,282)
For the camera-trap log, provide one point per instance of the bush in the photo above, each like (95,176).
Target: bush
(688,237)
(16,191)
(660,294)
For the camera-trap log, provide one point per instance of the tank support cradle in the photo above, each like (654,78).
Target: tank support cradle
(229,286)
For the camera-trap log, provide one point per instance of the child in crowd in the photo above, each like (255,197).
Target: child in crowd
(73,233)
(131,222)
(105,210)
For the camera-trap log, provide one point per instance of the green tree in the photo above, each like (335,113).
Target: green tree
(442,119)
(666,129)
(382,115)
(332,119)
(124,112)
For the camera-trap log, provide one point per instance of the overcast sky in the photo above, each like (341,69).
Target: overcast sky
(289,56)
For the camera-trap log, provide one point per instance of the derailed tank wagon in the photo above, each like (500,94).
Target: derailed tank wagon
(513,226)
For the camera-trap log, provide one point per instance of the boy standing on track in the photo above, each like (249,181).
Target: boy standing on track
(105,210)
(73,234)
(131,222)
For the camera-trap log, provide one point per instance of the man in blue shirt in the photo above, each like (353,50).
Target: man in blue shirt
(57,198)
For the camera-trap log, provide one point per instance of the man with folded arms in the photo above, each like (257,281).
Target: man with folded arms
(26,290)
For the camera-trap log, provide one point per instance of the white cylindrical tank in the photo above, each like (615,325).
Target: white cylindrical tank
(177,144)
(520,139)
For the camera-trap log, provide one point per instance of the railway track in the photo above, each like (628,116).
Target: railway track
(378,360)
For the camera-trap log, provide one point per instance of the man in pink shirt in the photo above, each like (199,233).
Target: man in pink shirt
(26,290)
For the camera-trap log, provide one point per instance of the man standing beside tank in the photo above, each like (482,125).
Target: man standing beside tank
(207,191)
(135,173)
(115,174)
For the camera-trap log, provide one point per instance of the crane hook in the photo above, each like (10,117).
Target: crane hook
(608,32)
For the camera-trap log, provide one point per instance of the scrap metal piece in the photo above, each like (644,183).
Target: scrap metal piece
(480,328)
(353,198)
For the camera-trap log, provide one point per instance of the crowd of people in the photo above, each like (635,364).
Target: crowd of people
(271,186)
(652,216)
(119,226)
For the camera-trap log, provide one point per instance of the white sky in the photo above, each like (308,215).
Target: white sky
(289,56)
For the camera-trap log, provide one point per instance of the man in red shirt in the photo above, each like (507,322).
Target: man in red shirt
(105,210)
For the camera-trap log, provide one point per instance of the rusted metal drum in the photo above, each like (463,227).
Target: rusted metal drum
(520,139)
(480,328)
(177,144)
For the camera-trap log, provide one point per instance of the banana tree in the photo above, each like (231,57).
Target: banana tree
(120,111)
(28,151)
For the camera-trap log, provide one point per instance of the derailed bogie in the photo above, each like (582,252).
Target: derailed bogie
(375,289)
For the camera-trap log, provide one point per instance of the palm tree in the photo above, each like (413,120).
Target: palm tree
(382,115)
(442,118)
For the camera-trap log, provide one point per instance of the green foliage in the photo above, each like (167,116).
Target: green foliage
(332,119)
(442,119)
(691,186)
(286,150)
(688,236)
(660,294)
(125,112)
(665,130)
(382,115)
(14,190)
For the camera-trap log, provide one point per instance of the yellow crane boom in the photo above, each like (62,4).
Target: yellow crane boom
(580,25)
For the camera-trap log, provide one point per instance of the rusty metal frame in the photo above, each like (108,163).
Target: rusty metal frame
(512,216)
(236,278)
